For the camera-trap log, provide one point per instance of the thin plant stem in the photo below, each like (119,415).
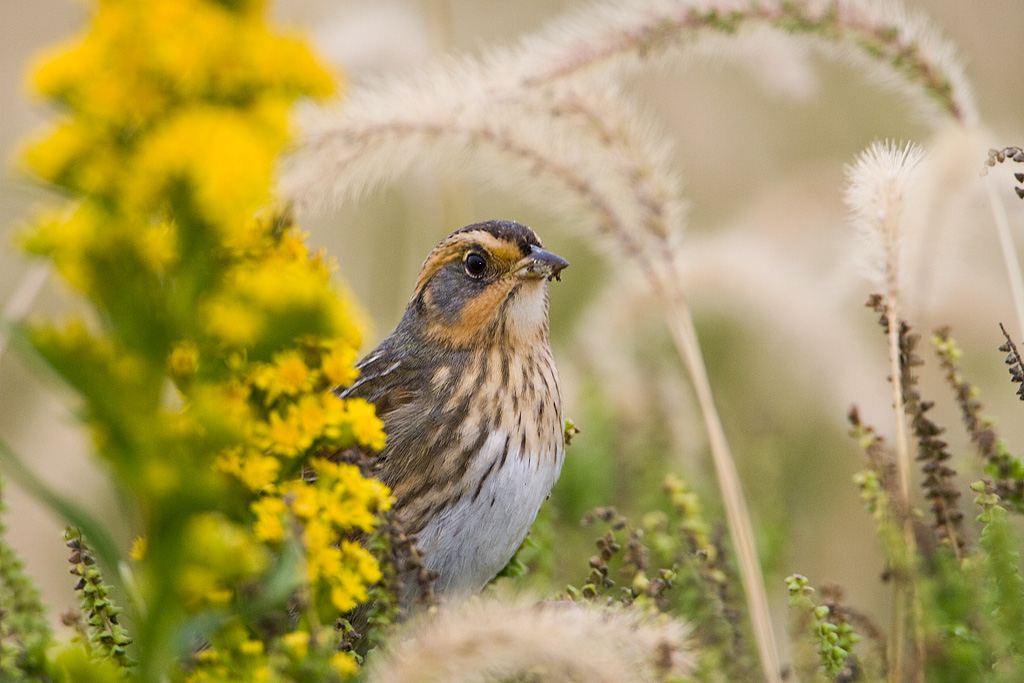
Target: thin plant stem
(902,447)
(902,592)
(684,334)
(1006,246)
(899,598)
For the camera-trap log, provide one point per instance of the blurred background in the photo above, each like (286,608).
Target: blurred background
(760,137)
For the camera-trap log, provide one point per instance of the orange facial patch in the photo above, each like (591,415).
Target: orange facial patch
(476,316)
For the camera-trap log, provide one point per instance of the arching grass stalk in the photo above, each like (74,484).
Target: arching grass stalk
(684,334)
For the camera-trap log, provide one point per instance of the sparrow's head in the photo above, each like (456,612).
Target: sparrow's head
(484,284)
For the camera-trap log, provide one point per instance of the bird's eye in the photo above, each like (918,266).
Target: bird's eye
(475,264)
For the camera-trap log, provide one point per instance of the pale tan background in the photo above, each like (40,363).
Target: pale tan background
(750,156)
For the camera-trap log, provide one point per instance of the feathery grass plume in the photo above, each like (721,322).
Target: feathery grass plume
(879,192)
(878,184)
(551,641)
(24,631)
(623,37)
(583,146)
(441,113)
(1006,470)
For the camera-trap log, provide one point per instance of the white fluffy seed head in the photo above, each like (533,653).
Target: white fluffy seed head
(555,641)
(880,194)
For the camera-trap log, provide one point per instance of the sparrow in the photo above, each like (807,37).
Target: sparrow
(469,395)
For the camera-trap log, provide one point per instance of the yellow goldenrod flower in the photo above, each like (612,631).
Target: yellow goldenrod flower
(338,365)
(282,435)
(367,428)
(218,155)
(183,362)
(308,413)
(77,156)
(287,375)
(302,499)
(258,471)
(138,551)
(297,643)
(233,397)
(344,663)
(269,511)
(344,598)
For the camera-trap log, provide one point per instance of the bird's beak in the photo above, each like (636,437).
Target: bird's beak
(540,264)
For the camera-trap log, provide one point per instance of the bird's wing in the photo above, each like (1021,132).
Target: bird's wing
(382,381)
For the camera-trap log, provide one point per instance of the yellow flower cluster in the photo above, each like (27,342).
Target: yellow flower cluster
(274,290)
(284,410)
(174,112)
(338,502)
(223,156)
(171,106)
(142,62)
(252,661)
(83,238)
(171,51)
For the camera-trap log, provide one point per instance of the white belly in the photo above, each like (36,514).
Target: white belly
(474,539)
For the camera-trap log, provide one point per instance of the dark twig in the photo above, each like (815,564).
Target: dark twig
(1013,360)
(1013,154)
(939,482)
